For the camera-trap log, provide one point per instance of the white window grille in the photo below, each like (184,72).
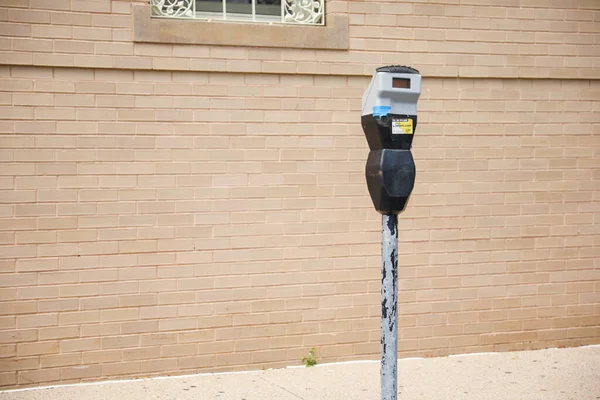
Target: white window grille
(310,12)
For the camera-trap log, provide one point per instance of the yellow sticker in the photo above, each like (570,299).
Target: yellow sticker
(402,126)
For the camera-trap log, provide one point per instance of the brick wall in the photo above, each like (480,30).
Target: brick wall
(157,221)
(476,38)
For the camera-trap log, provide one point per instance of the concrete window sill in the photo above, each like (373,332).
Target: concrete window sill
(333,36)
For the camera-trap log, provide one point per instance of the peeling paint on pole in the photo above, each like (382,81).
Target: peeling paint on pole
(389,121)
(389,307)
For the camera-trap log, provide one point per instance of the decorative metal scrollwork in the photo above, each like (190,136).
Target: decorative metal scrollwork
(303,11)
(309,12)
(173,8)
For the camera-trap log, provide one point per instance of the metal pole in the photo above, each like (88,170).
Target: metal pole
(389,307)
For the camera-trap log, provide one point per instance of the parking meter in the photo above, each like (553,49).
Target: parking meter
(389,120)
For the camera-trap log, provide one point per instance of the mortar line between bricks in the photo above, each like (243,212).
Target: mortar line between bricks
(320,74)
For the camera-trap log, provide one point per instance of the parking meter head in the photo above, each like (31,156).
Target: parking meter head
(389,121)
(389,107)
(390,177)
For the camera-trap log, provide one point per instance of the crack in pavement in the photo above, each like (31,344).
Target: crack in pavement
(281,387)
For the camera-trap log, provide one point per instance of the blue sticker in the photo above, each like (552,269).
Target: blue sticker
(381,111)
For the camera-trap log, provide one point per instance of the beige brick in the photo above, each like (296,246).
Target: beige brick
(167,364)
(35,321)
(46,31)
(177,324)
(194,362)
(74,345)
(60,360)
(20,364)
(115,261)
(121,314)
(179,350)
(77,372)
(25,335)
(139,327)
(28,210)
(196,336)
(142,353)
(90,6)
(159,339)
(72,263)
(8,322)
(99,303)
(7,266)
(137,300)
(16,29)
(32,265)
(102,356)
(88,289)
(8,378)
(44,292)
(124,368)
(23,196)
(9,350)
(57,304)
(227,359)
(119,342)
(81,317)
(58,332)
(100,330)
(30,349)
(39,376)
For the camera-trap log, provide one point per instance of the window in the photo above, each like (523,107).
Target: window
(299,24)
(310,12)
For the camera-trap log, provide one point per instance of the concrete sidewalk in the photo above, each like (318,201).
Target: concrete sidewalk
(555,374)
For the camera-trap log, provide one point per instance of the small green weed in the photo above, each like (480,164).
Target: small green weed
(310,360)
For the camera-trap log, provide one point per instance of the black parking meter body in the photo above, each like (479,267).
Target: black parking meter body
(389,120)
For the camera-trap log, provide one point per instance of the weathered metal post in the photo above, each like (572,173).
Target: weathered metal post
(389,120)
(389,306)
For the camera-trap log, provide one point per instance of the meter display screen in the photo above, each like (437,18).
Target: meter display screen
(401,83)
